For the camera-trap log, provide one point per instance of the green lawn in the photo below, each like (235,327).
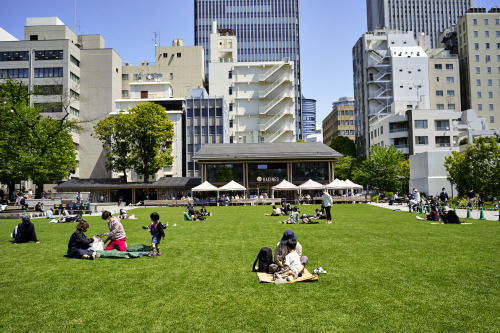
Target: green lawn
(387,271)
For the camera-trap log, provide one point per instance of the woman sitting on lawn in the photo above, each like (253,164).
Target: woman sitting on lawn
(276,211)
(294,217)
(78,246)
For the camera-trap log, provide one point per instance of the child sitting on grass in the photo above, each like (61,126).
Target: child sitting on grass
(291,265)
(156,230)
(294,217)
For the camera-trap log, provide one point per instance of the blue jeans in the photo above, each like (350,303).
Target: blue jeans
(14,233)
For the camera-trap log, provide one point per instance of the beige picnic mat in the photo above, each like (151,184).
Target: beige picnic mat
(306,277)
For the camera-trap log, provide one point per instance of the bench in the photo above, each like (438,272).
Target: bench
(169,203)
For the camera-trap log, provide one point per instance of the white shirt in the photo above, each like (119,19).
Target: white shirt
(417,196)
(292,260)
(327,199)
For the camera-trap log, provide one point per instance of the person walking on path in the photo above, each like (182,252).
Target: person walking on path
(472,198)
(327,203)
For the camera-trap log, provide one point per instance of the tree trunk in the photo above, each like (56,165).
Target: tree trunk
(125,176)
(11,186)
(39,190)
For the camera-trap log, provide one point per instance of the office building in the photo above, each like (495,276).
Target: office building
(431,17)
(340,121)
(181,66)
(70,73)
(260,95)
(444,80)
(308,117)
(478,33)
(266,31)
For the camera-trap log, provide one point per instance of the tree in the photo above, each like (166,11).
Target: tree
(345,167)
(140,139)
(381,169)
(33,146)
(478,167)
(344,145)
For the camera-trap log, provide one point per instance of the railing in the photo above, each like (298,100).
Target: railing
(274,102)
(401,145)
(272,70)
(270,122)
(273,86)
(278,133)
(397,130)
(379,94)
(442,128)
(443,144)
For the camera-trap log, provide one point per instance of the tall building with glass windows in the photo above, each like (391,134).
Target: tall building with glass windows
(429,16)
(267,30)
(308,116)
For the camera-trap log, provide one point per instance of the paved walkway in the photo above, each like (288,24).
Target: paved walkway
(462,213)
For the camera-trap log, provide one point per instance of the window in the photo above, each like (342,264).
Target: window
(490,106)
(476,34)
(442,125)
(478,70)
(47,89)
(450,79)
(486,34)
(485,21)
(488,58)
(476,57)
(478,82)
(124,77)
(230,90)
(490,94)
(451,106)
(438,66)
(74,112)
(479,95)
(490,82)
(171,76)
(474,21)
(125,93)
(14,56)
(440,106)
(230,75)
(449,66)
(381,129)
(450,93)
(498,44)
(421,140)
(439,93)
(165,55)
(476,46)
(420,123)
(231,106)
(14,73)
(74,94)
(487,46)
(49,55)
(179,55)
(49,107)
(49,72)
(492,119)
(497,21)
(74,60)
(480,107)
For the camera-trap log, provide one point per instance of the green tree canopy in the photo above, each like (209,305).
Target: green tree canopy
(139,139)
(478,167)
(381,169)
(344,145)
(32,146)
(345,167)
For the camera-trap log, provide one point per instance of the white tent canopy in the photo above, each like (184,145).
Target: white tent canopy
(205,187)
(311,185)
(337,184)
(232,186)
(351,184)
(285,185)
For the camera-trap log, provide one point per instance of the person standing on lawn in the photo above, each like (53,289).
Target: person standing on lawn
(116,233)
(156,230)
(327,203)
(24,232)
(78,245)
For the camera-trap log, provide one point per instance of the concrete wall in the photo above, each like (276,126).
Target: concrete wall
(428,174)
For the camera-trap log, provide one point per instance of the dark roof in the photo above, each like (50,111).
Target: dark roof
(112,183)
(266,151)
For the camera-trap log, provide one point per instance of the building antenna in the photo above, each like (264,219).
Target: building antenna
(74,23)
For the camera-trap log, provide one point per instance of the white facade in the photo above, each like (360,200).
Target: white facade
(261,95)
(157,92)
(428,174)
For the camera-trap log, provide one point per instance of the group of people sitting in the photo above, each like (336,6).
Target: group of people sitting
(417,200)
(289,263)
(445,215)
(191,214)
(294,214)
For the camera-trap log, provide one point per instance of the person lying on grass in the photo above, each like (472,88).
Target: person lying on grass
(24,232)
(78,245)
(291,265)
(276,211)
(281,251)
(116,233)
(319,215)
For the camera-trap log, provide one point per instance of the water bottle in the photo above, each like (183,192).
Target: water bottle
(167,224)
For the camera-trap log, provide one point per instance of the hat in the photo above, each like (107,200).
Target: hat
(25,218)
(288,234)
(304,215)
(416,190)
(446,208)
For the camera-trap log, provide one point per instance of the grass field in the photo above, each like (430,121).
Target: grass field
(387,271)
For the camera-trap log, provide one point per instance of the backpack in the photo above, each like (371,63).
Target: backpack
(265,258)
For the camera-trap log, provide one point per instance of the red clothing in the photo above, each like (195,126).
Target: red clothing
(120,243)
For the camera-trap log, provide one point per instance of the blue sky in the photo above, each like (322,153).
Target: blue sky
(329,29)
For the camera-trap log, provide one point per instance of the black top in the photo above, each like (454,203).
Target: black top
(443,196)
(78,240)
(25,233)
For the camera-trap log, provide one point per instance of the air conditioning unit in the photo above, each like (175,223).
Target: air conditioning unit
(126,63)
(144,63)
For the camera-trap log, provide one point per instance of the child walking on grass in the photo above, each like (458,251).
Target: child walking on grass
(291,264)
(156,230)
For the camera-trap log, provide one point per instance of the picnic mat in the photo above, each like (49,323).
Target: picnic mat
(133,251)
(450,223)
(306,277)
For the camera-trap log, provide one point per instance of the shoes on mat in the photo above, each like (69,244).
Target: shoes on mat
(152,255)
(158,254)
(319,270)
(280,281)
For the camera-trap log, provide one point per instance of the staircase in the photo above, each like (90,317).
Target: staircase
(283,78)
(274,102)
(265,126)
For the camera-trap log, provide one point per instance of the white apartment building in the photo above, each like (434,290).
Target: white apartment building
(69,72)
(182,66)
(478,33)
(260,95)
(158,93)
